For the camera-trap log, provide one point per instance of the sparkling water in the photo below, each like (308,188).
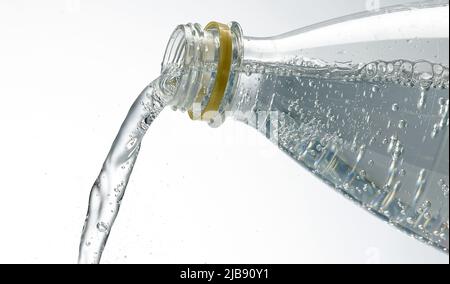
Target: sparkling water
(109,188)
(377,132)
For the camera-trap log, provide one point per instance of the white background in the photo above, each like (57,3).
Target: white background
(69,70)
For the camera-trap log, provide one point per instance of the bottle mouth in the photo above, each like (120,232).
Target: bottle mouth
(198,63)
(173,67)
(176,48)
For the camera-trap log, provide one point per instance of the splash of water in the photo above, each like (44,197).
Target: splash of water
(109,188)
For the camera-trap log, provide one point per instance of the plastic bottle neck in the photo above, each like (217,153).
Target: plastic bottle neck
(202,64)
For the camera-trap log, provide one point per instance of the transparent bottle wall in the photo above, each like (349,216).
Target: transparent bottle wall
(369,141)
(364,108)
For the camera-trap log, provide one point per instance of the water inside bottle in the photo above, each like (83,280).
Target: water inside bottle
(377,132)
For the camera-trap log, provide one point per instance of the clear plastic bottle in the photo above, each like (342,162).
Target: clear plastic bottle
(361,101)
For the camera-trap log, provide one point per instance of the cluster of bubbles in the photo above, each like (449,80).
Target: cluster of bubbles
(422,73)
(326,120)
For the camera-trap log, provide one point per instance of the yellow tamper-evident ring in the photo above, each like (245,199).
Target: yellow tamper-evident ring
(222,76)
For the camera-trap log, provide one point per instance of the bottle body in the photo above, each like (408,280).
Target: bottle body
(362,102)
(369,141)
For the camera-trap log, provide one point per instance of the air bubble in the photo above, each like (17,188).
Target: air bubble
(131,143)
(406,71)
(423,73)
(445,189)
(382,68)
(402,124)
(438,69)
(102,227)
(422,99)
(395,107)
